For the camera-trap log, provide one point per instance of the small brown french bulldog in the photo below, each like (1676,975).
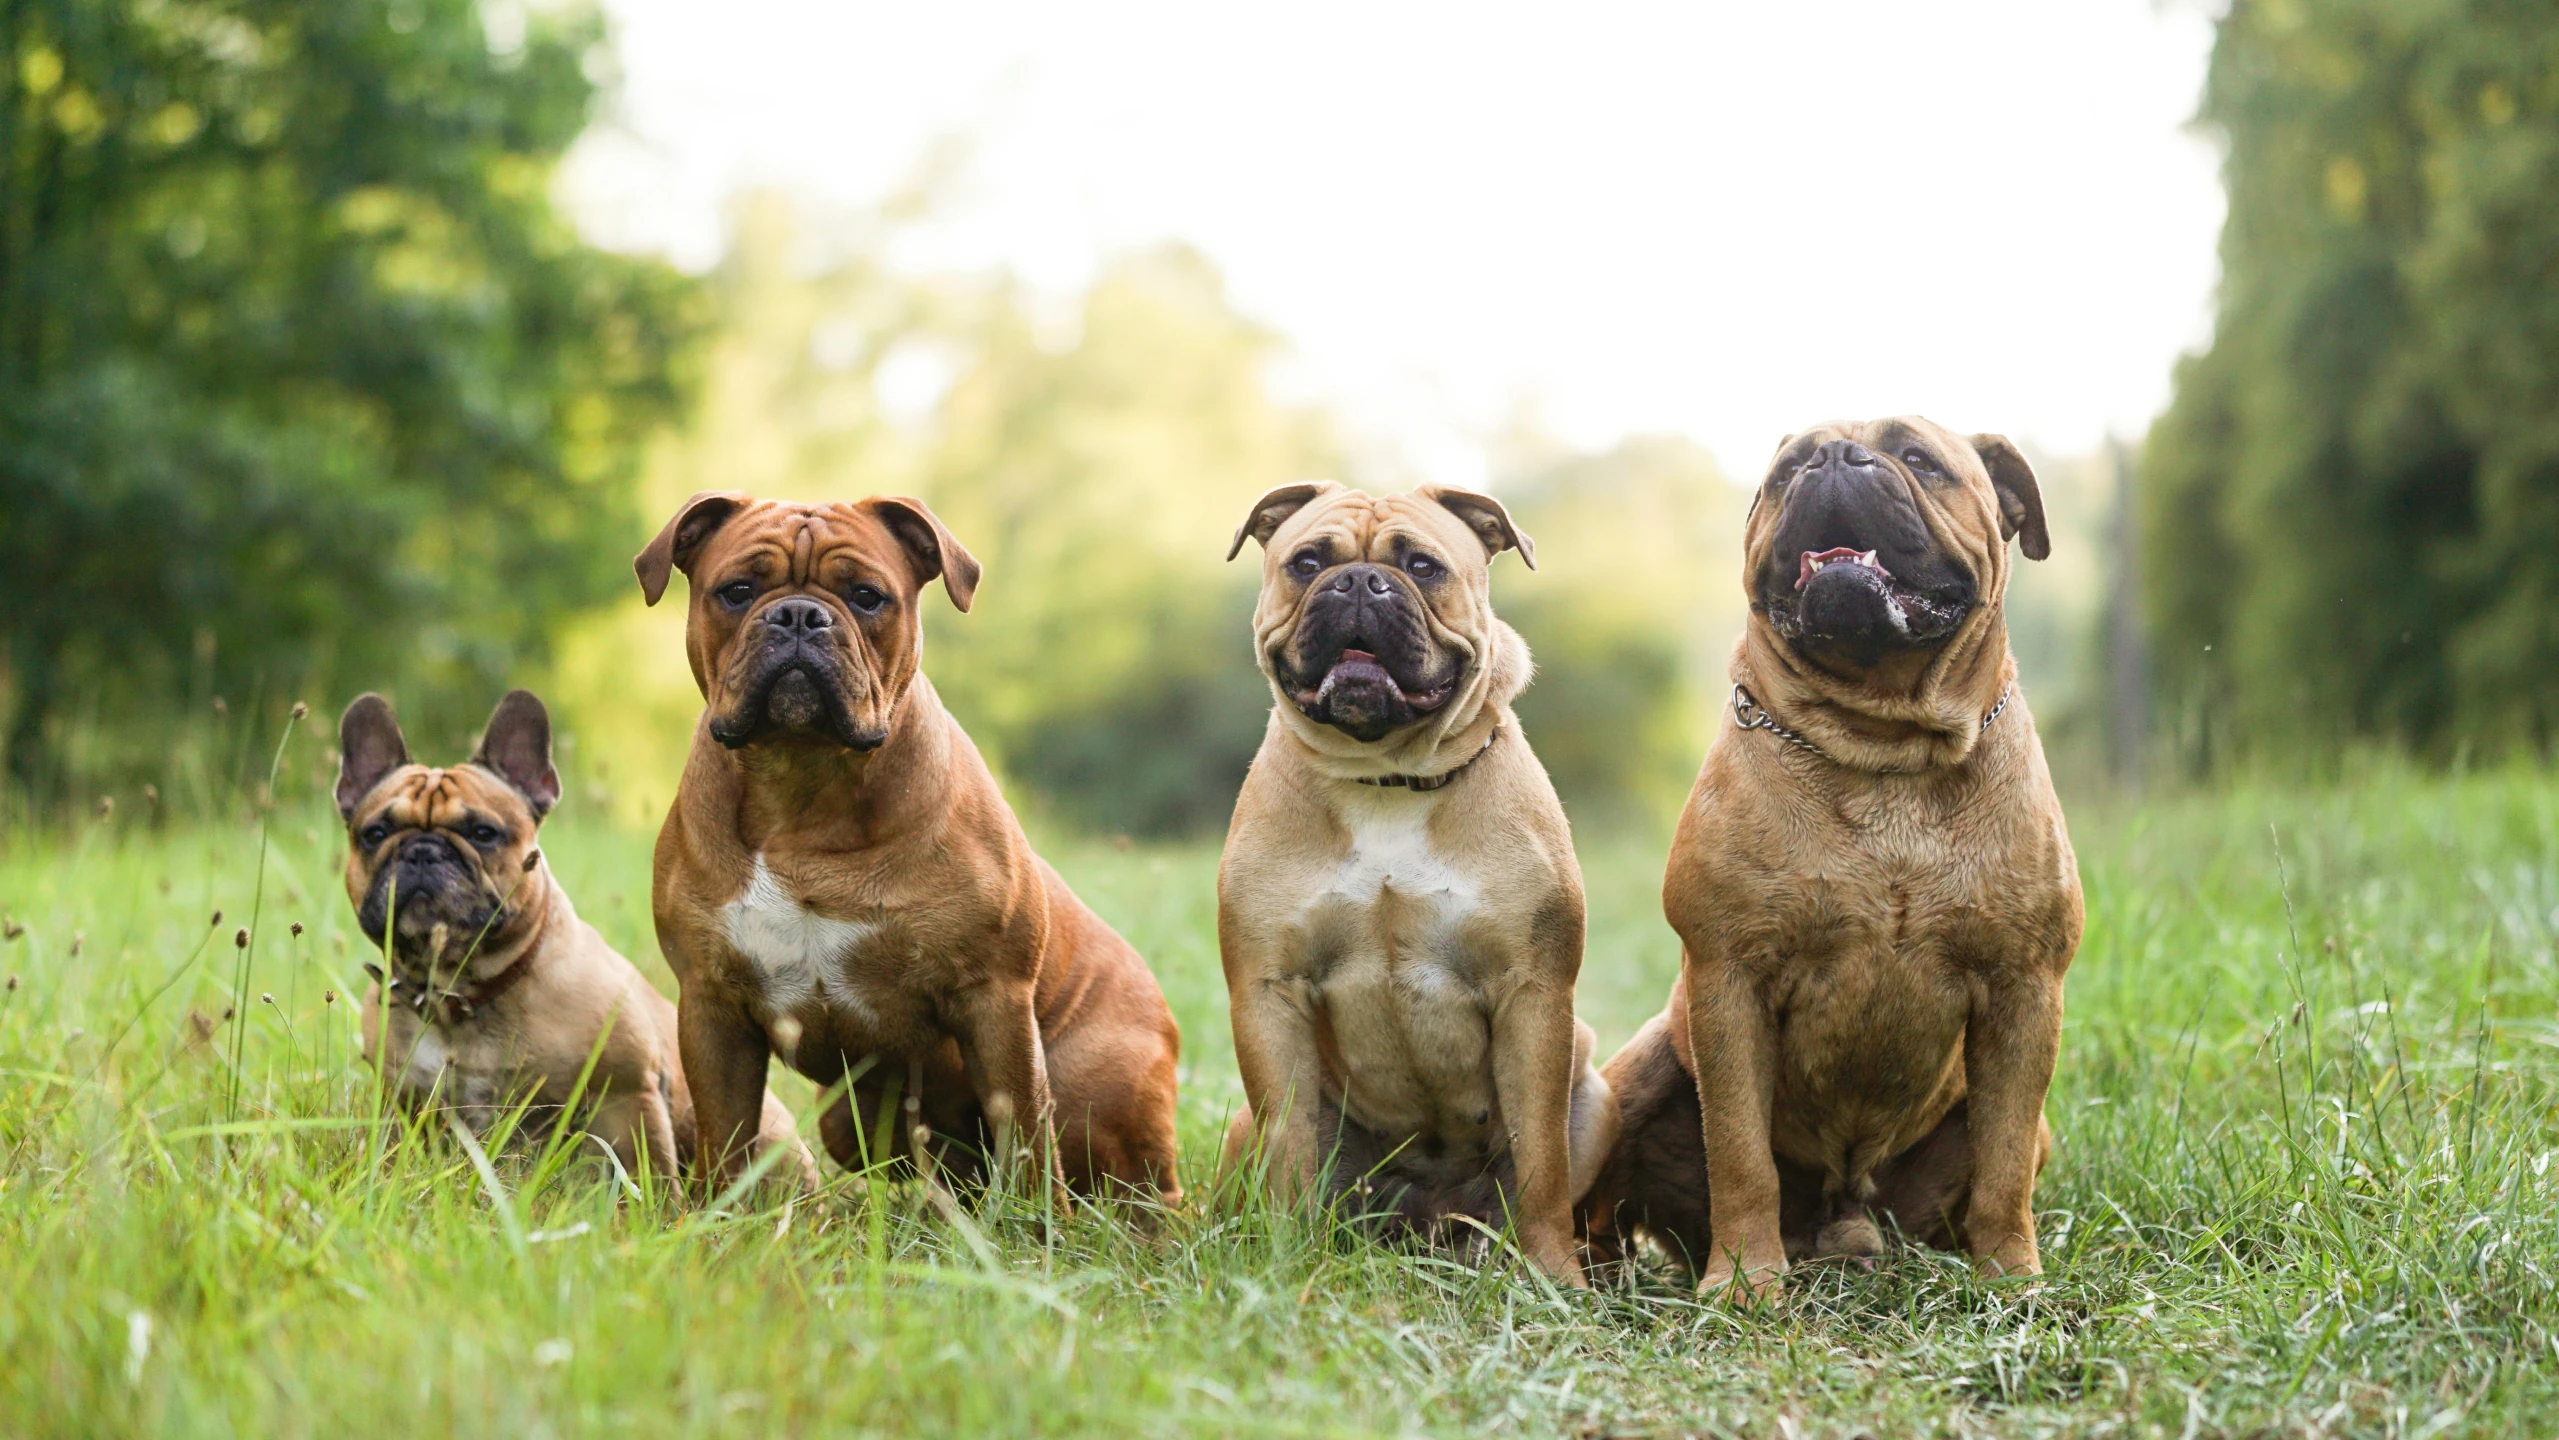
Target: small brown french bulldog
(496,992)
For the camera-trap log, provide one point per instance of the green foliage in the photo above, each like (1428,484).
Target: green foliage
(1631,616)
(2352,523)
(1096,457)
(303,381)
(2300,1185)
(1109,663)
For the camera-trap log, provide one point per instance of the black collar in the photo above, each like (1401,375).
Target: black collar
(1433,782)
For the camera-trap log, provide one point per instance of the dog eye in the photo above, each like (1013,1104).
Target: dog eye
(736,593)
(484,833)
(867,599)
(1918,459)
(1305,565)
(1420,567)
(374,834)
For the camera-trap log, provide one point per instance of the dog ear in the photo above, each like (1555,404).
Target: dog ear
(2021,502)
(517,749)
(1273,509)
(1485,516)
(928,540)
(370,746)
(695,521)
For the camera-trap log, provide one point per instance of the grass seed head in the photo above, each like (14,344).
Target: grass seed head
(301,711)
(297,929)
(240,938)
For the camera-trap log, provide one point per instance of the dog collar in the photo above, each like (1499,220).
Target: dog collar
(1433,782)
(450,1006)
(1749,714)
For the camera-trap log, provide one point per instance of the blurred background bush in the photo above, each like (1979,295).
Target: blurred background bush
(307,385)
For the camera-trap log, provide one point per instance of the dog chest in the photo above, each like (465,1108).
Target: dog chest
(1391,859)
(459,1072)
(1378,941)
(799,955)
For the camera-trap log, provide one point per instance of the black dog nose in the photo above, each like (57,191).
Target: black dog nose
(1355,578)
(799,616)
(1842,453)
(426,852)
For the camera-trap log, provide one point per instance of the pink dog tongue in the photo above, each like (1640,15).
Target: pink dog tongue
(1359,655)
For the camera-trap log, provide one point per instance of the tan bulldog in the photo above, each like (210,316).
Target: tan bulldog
(1398,907)
(498,992)
(839,880)
(1873,887)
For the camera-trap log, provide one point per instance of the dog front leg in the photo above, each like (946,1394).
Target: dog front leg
(657,1127)
(725,1057)
(1736,1061)
(1000,1041)
(1534,1035)
(637,1132)
(1283,1083)
(2011,1040)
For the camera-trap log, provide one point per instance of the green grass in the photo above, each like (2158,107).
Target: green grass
(2302,1185)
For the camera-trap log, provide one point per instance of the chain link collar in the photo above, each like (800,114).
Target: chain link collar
(1420,783)
(1749,714)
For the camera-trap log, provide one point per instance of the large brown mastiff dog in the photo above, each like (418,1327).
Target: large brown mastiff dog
(1398,907)
(840,881)
(1874,892)
(497,993)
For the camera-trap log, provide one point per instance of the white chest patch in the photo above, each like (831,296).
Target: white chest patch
(462,1079)
(798,952)
(427,1059)
(1391,849)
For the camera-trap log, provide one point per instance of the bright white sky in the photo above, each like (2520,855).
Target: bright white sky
(1721,219)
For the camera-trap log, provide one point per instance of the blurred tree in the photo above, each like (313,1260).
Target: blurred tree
(1631,615)
(2352,506)
(302,377)
(1095,457)
(1100,476)
(1096,453)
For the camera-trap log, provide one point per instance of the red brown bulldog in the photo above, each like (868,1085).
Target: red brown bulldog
(839,880)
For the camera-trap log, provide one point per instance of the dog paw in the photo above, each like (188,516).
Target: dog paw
(2009,1262)
(1557,1257)
(1760,1284)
